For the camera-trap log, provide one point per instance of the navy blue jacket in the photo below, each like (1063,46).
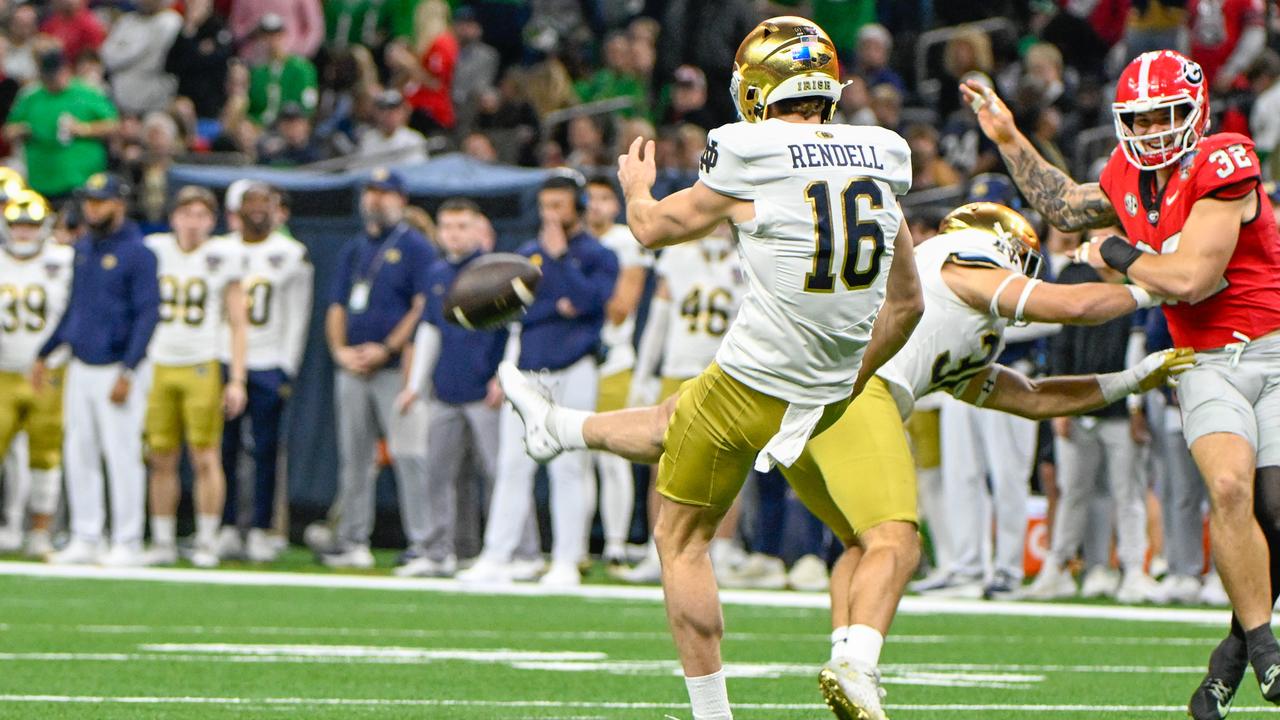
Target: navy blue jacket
(468,358)
(585,274)
(114,303)
(402,274)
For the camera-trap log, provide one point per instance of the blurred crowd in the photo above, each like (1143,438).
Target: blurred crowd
(135,87)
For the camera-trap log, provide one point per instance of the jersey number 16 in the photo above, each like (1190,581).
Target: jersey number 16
(864,240)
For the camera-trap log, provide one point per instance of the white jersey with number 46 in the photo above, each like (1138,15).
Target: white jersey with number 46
(277,286)
(33,296)
(817,253)
(192,287)
(953,341)
(706,285)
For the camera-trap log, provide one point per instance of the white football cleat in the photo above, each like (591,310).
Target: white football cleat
(759,572)
(647,572)
(1136,587)
(356,557)
(230,546)
(852,693)
(10,540)
(487,572)
(77,552)
(1177,589)
(534,407)
(158,555)
(204,556)
(1213,593)
(426,567)
(260,547)
(561,575)
(320,538)
(957,586)
(809,574)
(124,556)
(1100,582)
(39,544)
(1052,583)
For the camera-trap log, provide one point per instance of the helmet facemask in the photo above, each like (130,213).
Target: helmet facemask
(1155,150)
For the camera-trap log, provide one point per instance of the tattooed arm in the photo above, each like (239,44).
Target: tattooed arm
(1066,204)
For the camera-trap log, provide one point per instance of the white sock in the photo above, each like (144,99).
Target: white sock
(709,697)
(207,529)
(164,531)
(839,643)
(566,425)
(863,645)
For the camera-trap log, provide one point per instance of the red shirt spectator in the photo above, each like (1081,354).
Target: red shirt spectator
(433,95)
(76,27)
(1217,29)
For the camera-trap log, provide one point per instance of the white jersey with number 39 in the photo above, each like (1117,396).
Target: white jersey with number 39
(33,296)
(816,255)
(706,285)
(953,341)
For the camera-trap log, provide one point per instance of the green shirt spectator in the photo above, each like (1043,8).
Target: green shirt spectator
(62,124)
(282,78)
(354,22)
(616,79)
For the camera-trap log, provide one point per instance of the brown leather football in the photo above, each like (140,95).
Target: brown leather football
(492,291)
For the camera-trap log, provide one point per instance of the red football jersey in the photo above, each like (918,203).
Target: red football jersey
(1222,166)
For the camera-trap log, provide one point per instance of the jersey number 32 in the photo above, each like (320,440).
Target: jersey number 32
(863,239)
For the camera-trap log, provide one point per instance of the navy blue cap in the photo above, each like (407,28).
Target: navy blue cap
(385,179)
(993,187)
(104,186)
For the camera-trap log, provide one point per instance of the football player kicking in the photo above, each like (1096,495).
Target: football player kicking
(977,277)
(35,282)
(1201,234)
(199,287)
(827,257)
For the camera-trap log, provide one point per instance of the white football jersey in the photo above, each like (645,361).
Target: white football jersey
(277,285)
(192,287)
(817,253)
(33,297)
(617,339)
(953,341)
(707,286)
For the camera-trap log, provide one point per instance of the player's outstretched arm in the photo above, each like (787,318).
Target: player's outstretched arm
(1194,270)
(903,307)
(1010,391)
(679,217)
(1026,299)
(1066,204)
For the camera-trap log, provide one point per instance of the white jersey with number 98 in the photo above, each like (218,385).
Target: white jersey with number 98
(817,253)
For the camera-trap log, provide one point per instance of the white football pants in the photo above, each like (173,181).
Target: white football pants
(977,445)
(95,429)
(572,480)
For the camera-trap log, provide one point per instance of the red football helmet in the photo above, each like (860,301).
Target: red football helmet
(1161,80)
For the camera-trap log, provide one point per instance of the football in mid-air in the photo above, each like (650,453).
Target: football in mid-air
(492,291)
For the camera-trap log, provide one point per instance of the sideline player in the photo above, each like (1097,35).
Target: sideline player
(278,289)
(827,257)
(976,278)
(617,485)
(35,281)
(1201,233)
(199,288)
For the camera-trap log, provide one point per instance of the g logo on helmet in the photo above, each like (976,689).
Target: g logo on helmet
(1191,71)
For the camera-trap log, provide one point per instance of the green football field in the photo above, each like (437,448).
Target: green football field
(187,644)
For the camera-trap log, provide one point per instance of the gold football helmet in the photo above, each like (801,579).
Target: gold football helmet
(784,57)
(1014,235)
(11,183)
(26,207)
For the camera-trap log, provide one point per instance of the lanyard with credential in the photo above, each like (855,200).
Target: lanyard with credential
(358,301)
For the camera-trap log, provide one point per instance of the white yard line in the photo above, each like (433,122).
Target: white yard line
(816,601)
(585,705)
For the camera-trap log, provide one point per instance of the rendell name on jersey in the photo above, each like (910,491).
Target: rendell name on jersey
(811,155)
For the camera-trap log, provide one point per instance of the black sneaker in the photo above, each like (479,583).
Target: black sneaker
(1268,673)
(1212,700)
